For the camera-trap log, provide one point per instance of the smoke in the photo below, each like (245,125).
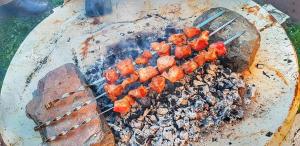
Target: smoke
(95,8)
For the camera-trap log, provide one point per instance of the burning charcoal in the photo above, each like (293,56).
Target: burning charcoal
(162,111)
(184,135)
(145,102)
(204,89)
(198,77)
(182,101)
(220,85)
(140,139)
(211,100)
(154,129)
(195,126)
(125,135)
(208,122)
(142,117)
(177,115)
(169,133)
(227,84)
(153,118)
(198,83)
(199,105)
(186,121)
(167,143)
(239,114)
(137,124)
(180,123)
(177,142)
(192,115)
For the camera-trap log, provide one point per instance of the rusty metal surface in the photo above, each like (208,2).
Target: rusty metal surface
(68,36)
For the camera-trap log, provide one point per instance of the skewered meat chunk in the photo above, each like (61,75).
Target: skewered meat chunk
(130,100)
(113,91)
(155,46)
(111,76)
(139,92)
(174,74)
(158,84)
(189,66)
(144,58)
(161,48)
(125,67)
(219,47)
(133,78)
(123,105)
(165,62)
(211,55)
(200,58)
(201,42)
(141,60)
(147,54)
(191,32)
(147,73)
(183,51)
(178,39)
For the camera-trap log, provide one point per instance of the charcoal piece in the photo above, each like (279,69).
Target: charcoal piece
(64,79)
(145,102)
(242,51)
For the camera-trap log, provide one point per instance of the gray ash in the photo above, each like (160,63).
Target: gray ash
(185,112)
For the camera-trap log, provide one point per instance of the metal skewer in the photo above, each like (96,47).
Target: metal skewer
(82,88)
(221,27)
(58,118)
(52,138)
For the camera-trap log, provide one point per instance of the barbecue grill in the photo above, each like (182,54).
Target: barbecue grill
(68,36)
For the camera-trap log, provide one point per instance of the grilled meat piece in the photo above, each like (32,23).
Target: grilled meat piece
(200,58)
(189,66)
(133,78)
(139,92)
(111,76)
(147,73)
(125,67)
(174,74)
(191,32)
(183,51)
(144,58)
(165,62)
(113,91)
(161,48)
(178,39)
(219,47)
(158,84)
(201,42)
(211,55)
(123,105)
(147,54)
(141,60)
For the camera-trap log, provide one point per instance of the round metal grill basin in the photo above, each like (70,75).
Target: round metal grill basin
(61,37)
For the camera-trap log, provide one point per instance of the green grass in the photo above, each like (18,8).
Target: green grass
(12,32)
(293,32)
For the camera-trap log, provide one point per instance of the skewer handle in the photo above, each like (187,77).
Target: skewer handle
(234,37)
(58,118)
(211,19)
